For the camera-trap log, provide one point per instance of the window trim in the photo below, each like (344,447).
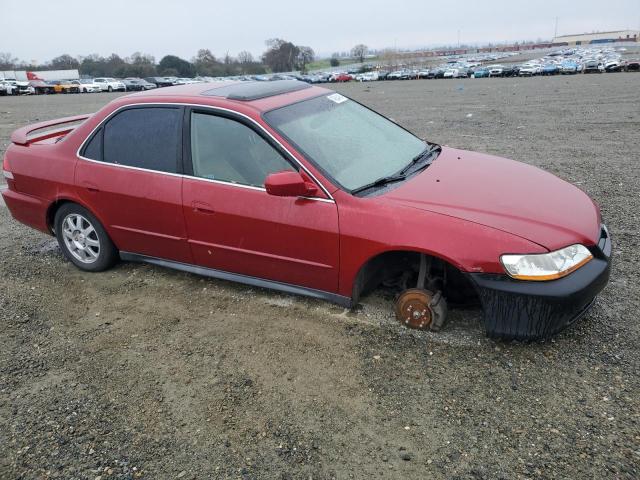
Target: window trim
(212,108)
(100,130)
(187,159)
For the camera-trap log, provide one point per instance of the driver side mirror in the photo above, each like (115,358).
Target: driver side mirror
(288,184)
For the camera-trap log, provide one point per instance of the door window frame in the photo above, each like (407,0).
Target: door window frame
(250,122)
(187,160)
(100,129)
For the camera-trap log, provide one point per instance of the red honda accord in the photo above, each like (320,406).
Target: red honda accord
(300,189)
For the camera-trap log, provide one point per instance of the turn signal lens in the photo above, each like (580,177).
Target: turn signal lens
(546,266)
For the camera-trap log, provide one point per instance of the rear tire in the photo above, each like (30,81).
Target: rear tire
(83,240)
(110,89)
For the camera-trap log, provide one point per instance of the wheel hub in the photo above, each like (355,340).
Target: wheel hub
(79,239)
(413,308)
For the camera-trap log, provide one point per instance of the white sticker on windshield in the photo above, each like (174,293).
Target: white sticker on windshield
(337,98)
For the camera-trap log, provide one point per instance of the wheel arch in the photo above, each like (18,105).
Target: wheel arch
(55,205)
(368,273)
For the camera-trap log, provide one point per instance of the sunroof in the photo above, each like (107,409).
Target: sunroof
(247,91)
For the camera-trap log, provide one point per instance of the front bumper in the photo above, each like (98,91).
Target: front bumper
(525,310)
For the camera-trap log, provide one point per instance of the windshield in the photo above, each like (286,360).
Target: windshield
(351,144)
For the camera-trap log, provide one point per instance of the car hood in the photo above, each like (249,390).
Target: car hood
(503,194)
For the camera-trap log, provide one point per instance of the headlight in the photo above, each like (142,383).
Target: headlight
(546,266)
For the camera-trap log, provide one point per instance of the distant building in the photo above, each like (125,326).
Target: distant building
(599,37)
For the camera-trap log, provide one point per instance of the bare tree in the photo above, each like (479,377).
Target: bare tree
(7,61)
(359,51)
(305,56)
(64,62)
(245,57)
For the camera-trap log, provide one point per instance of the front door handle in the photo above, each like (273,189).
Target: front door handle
(202,207)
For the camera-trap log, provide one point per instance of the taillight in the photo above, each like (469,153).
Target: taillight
(5,168)
(6,173)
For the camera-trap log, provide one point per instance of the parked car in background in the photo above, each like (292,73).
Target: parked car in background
(424,73)
(341,77)
(189,81)
(593,66)
(632,66)
(569,67)
(550,69)
(20,87)
(529,70)
(481,72)
(162,81)
(455,73)
(613,66)
(108,84)
(137,84)
(263,158)
(510,71)
(65,86)
(367,77)
(495,70)
(40,87)
(87,86)
(6,88)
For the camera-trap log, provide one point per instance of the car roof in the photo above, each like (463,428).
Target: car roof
(247,91)
(262,96)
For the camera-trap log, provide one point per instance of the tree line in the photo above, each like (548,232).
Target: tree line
(280,56)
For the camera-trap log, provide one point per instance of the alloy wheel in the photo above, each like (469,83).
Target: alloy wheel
(80,238)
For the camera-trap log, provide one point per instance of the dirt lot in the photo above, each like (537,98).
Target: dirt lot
(146,372)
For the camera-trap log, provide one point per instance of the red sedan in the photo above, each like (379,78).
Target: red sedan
(300,189)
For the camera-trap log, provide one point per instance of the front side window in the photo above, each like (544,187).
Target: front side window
(227,150)
(146,138)
(352,144)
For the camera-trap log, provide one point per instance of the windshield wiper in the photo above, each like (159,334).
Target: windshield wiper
(423,154)
(379,182)
(402,174)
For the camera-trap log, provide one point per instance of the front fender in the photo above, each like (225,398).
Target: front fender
(369,227)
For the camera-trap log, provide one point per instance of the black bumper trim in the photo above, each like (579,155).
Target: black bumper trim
(525,310)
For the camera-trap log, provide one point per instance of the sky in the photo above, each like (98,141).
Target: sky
(181,27)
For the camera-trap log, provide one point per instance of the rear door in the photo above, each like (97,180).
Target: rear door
(129,177)
(235,226)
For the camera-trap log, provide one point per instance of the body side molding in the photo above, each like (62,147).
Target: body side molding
(236,277)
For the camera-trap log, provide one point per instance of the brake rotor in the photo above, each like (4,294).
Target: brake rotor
(413,308)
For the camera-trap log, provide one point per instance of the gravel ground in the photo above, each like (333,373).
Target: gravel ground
(142,372)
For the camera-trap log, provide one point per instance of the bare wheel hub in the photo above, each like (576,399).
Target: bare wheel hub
(421,309)
(413,308)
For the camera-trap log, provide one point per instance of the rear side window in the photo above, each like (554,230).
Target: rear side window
(142,137)
(93,149)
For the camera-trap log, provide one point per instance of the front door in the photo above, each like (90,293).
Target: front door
(235,226)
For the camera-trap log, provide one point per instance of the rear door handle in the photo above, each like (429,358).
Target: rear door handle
(202,207)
